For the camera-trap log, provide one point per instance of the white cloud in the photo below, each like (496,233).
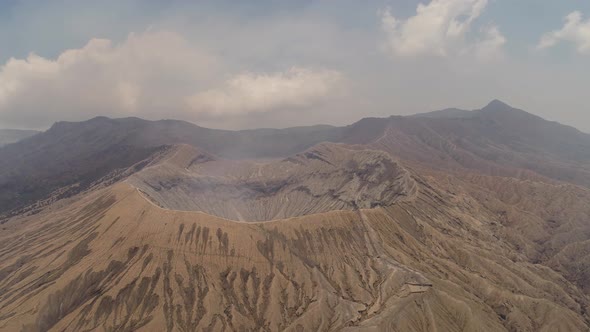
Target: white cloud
(574,30)
(439,28)
(490,47)
(152,75)
(250,92)
(146,72)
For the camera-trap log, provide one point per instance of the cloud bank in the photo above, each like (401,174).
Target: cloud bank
(440,28)
(250,92)
(575,31)
(148,75)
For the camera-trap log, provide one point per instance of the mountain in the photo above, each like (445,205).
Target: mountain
(323,178)
(421,223)
(496,140)
(77,154)
(8,136)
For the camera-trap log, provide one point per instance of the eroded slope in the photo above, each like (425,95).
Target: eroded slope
(118,262)
(111,260)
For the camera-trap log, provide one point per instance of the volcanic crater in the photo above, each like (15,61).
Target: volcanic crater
(323,178)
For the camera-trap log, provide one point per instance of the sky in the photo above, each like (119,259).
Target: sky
(278,63)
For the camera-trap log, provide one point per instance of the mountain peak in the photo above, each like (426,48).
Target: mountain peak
(497,105)
(497,108)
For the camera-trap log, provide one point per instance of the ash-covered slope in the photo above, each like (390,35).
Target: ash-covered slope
(111,260)
(324,178)
(549,223)
(119,262)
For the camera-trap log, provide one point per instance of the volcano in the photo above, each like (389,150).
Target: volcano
(446,221)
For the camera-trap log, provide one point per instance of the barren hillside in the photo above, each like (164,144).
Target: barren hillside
(113,260)
(402,224)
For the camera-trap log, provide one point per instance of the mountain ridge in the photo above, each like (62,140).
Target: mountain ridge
(73,152)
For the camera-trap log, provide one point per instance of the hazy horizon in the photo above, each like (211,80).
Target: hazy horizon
(277,127)
(279,64)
